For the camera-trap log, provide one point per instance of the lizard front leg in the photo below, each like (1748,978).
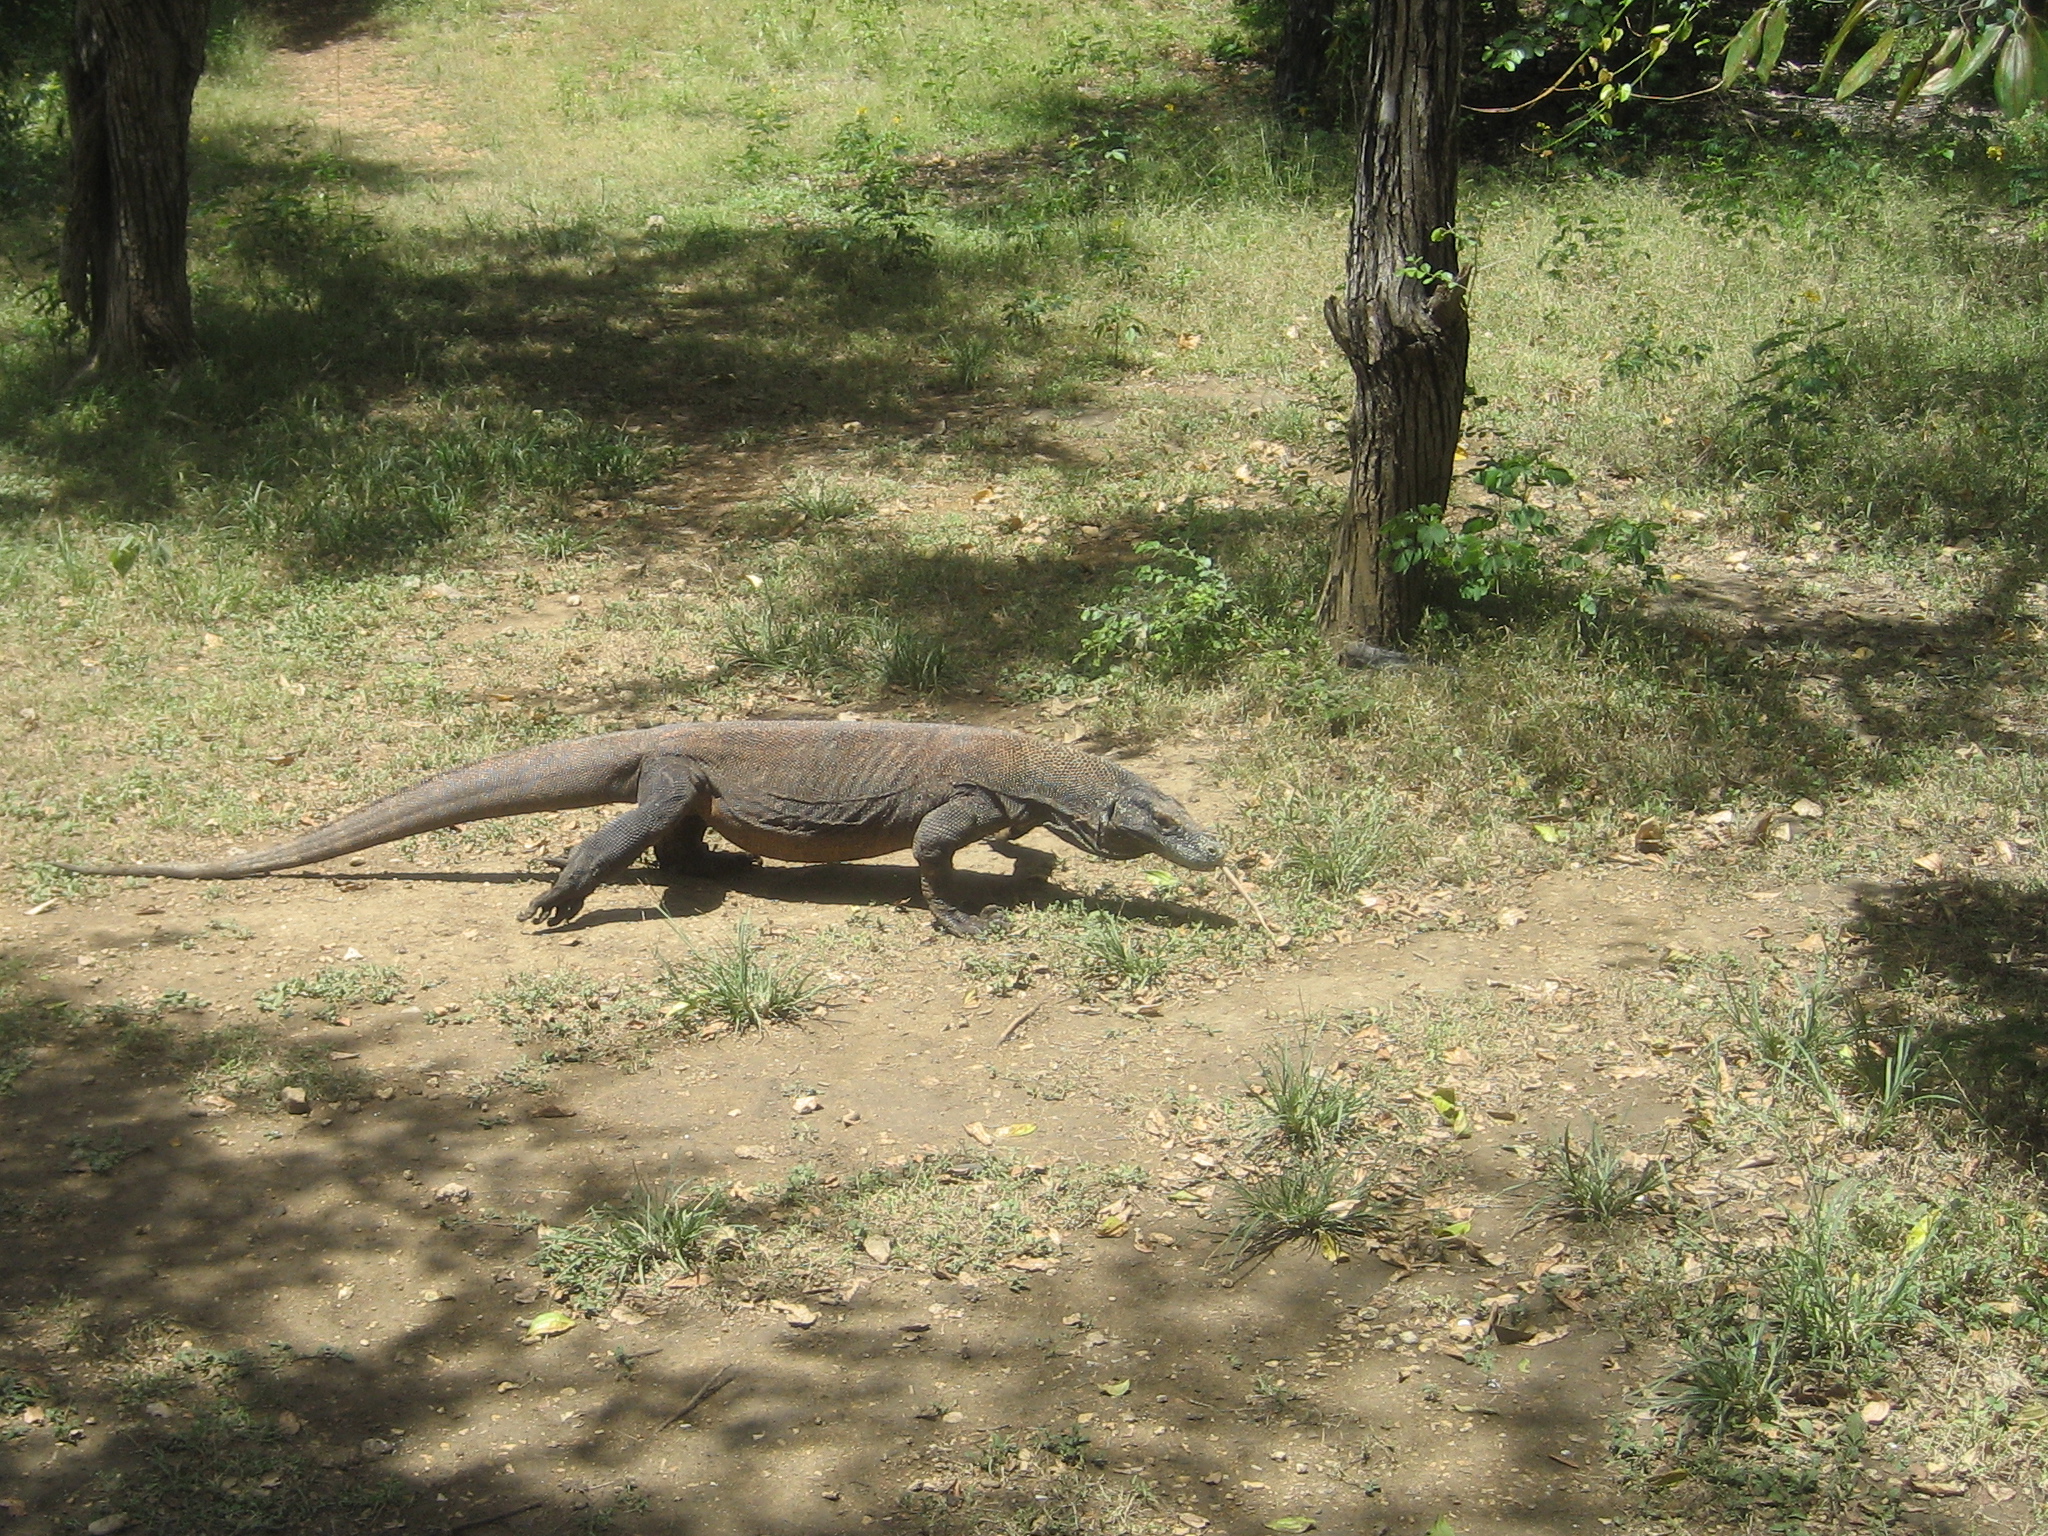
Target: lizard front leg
(670,792)
(681,851)
(968,817)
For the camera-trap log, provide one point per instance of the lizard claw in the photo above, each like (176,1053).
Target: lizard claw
(552,907)
(969,925)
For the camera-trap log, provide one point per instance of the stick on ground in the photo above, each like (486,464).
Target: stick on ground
(1018,1023)
(1249,900)
(475,1521)
(718,1381)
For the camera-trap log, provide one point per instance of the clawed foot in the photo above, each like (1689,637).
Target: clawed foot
(968,925)
(554,906)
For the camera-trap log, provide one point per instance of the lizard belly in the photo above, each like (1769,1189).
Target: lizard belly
(827,845)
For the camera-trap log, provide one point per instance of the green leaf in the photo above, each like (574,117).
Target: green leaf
(1946,82)
(1849,23)
(2018,83)
(1291,1523)
(1443,1527)
(1860,72)
(1773,39)
(1934,58)
(1115,1388)
(1742,47)
(1922,1230)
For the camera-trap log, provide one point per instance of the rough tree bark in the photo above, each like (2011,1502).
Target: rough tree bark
(1405,336)
(1299,59)
(128,82)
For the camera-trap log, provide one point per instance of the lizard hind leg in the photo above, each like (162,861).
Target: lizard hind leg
(682,852)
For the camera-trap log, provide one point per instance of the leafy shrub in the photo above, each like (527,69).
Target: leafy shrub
(1492,552)
(1177,615)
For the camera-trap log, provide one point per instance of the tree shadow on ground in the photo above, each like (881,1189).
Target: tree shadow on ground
(227,1322)
(1963,960)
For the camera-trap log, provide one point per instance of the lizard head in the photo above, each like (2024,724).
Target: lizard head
(1141,820)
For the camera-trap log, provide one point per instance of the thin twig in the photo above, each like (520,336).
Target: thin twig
(477,1520)
(1018,1023)
(719,1380)
(1251,901)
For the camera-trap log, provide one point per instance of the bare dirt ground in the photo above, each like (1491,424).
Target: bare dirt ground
(389,1315)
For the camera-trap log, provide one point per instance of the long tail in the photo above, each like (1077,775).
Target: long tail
(596,770)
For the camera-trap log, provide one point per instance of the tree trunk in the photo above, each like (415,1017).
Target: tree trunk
(1299,59)
(1406,337)
(128,82)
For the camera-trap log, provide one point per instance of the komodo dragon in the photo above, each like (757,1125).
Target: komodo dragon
(808,791)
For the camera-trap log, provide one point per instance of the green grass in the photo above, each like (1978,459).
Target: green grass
(334,987)
(1594,1183)
(1318,1202)
(229,1472)
(735,985)
(611,1247)
(567,1016)
(1307,1107)
(968,1214)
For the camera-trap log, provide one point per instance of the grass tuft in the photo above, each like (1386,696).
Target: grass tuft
(1599,1185)
(1320,1202)
(334,987)
(612,1247)
(1309,1108)
(736,986)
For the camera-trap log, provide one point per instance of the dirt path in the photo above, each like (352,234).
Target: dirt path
(387,1315)
(356,88)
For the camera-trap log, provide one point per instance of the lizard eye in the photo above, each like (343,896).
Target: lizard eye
(1167,823)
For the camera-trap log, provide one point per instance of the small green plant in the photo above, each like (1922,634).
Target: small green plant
(871,187)
(813,498)
(1319,1202)
(967,356)
(1069,1445)
(102,1154)
(1117,955)
(1273,1398)
(1729,1384)
(611,1247)
(914,662)
(1119,324)
(1801,377)
(735,986)
(334,987)
(1838,1293)
(998,1455)
(1491,552)
(1893,1074)
(1647,355)
(1599,1185)
(1308,1107)
(1178,615)
(1033,308)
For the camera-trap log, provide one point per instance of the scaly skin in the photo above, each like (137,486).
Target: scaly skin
(806,791)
